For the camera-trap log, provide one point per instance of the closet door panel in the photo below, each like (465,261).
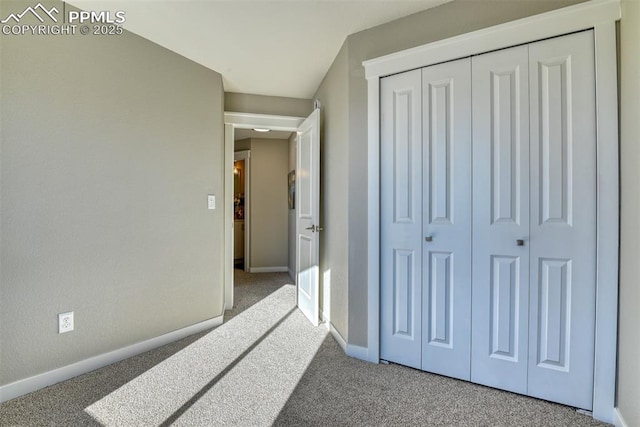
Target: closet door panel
(500,219)
(446,182)
(401,219)
(563,219)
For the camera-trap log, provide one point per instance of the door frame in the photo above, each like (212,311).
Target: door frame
(232,121)
(246,156)
(599,15)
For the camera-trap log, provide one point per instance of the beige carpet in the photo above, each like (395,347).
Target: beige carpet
(268,366)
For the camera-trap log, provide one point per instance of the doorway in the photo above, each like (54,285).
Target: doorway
(238,127)
(241,210)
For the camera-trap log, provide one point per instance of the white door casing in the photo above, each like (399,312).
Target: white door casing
(234,121)
(600,16)
(307,216)
(501,218)
(446,218)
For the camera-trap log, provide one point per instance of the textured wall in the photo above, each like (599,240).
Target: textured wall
(334,196)
(109,147)
(268,203)
(260,104)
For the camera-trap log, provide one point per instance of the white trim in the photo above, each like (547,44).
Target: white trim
(232,121)
(373,222)
(618,420)
(554,23)
(338,337)
(292,275)
(350,350)
(608,217)
(250,121)
(28,385)
(324,317)
(282,269)
(357,351)
(600,15)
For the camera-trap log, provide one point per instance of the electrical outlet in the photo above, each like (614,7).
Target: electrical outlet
(65,322)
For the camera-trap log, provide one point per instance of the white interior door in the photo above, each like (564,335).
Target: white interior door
(563,219)
(446,217)
(501,219)
(401,219)
(307,216)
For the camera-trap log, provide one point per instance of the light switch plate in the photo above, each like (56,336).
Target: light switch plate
(211,201)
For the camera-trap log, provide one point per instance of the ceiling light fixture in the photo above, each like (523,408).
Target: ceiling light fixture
(262,129)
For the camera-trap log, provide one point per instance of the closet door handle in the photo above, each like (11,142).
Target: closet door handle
(428,239)
(312,228)
(520,242)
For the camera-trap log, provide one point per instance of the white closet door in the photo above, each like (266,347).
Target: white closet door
(501,219)
(446,210)
(563,219)
(401,218)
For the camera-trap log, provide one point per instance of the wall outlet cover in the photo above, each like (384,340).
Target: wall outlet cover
(65,322)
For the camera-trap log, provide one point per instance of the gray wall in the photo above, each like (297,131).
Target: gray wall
(260,104)
(109,145)
(444,21)
(268,205)
(334,247)
(629,333)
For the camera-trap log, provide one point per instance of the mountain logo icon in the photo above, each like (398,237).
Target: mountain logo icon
(34,11)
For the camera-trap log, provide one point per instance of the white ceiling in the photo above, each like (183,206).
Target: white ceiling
(264,47)
(250,133)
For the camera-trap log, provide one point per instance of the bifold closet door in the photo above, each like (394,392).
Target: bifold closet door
(563,219)
(425,318)
(401,219)
(501,219)
(446,213)
(530,225)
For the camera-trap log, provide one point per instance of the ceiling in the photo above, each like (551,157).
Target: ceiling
(264,47)
(250,133)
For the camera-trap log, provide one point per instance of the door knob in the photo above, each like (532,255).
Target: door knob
(318,228)
(312,228)
(520,242)
(428,238)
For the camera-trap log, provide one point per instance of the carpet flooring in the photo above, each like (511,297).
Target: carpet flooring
(266,365)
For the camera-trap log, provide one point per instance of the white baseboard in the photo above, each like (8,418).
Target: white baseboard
(325,317)
(268,269)
(358,352)
(27,385)
(618,420)
(350,350)
(336,335)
